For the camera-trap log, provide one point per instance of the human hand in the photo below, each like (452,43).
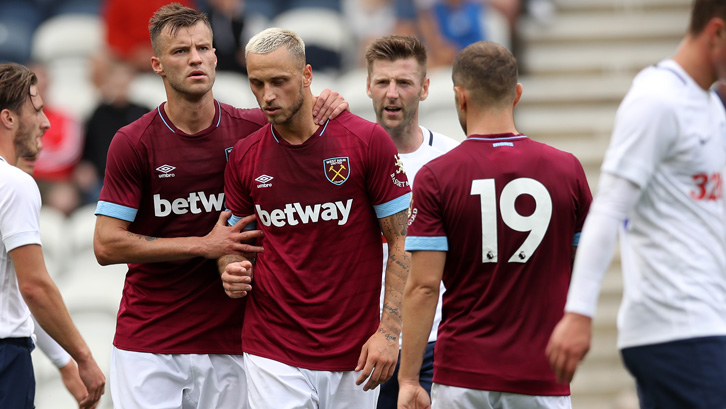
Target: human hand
(225,239)
(236,279)
(569,343)
(377,359)
(94,381)
(328,105)
(412,396)
(74,384)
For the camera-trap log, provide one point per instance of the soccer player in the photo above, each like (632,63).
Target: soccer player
(661,187)
(396,83)
(27,286)
(58,356)
(496,218)
(177,341)
(322,196)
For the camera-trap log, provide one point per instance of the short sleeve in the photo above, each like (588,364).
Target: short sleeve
(645,129)
(583,195)
(19,210)
(386,179)
(425,223)
(120,196)
(236,192)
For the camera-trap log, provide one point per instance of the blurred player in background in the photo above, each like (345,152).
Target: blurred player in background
(661,187)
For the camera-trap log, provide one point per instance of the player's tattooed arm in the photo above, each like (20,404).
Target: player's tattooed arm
(379,354)
(394,229)
(141,236)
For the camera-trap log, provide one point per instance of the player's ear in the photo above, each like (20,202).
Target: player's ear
(517,95)
(460,97)
(307,75)
(7,118)
(157,66)
(368,86)
(425,88)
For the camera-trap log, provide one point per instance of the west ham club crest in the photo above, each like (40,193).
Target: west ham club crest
(337,170)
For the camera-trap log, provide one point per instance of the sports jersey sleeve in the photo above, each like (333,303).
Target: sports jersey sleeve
(584,199)
(388,185)
(645,129)
(425,225)
(236,192)
(615,199)
(120,196)
(19,210)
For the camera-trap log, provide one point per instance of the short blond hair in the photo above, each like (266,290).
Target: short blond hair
(273,38)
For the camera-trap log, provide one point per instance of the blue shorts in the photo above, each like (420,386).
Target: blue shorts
(688,373)
(17,380)
(389,390)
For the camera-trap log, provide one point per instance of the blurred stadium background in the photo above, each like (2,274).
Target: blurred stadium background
(580,62)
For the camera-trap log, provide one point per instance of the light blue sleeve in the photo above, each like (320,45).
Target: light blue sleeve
(116,211)
(421,243)
(394,206)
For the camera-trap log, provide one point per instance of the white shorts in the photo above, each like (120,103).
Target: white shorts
(274,385)
(141,380)
(452,397)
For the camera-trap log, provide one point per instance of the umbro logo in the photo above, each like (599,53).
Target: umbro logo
(166,171)
(264,181)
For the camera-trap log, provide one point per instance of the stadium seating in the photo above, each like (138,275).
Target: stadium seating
(18,21)
(327,39)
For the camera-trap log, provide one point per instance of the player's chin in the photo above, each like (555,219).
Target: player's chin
(200,88)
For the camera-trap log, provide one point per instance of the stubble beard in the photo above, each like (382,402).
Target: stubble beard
(189,91)
(293,110)
(23,140)
(400,130)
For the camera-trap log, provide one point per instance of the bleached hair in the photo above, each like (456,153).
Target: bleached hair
(273,38)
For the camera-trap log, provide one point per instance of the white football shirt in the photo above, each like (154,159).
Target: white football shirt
(669,139)
(19,226)
(434,145)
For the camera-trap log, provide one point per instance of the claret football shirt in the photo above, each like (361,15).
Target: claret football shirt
(506,209)
(171,184)
(314,301)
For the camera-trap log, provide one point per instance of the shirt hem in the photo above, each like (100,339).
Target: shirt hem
(494,383)
(179,350)
(301,364)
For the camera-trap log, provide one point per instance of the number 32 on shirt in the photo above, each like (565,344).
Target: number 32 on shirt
(708,188)
(536,223)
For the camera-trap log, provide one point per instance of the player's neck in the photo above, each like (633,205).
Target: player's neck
(301,126)
(7,150)
(693,56)
(191,116)
(489,122)
(408,139)
(7,147)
